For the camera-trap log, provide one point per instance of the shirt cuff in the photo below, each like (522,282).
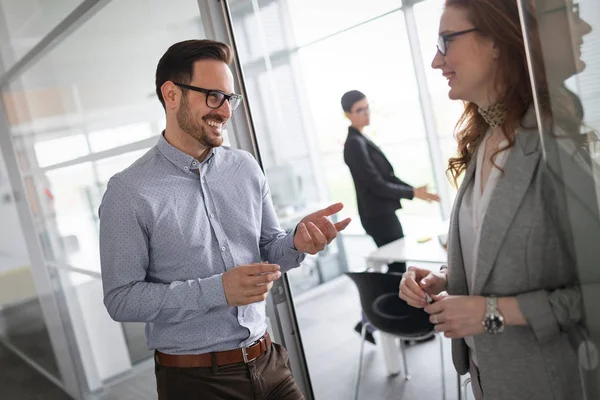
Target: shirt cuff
(213,293)
(288,241)
(291,256)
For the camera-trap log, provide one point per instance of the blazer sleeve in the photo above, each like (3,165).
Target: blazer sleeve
(401,182)
(365,172)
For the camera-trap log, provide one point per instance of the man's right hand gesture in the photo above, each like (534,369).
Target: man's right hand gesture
(247,284)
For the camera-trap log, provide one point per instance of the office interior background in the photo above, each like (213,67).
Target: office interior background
(77,91)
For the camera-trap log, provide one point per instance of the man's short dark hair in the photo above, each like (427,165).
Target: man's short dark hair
(177,64)
(351,97)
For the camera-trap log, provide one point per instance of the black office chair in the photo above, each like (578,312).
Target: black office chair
(388,313)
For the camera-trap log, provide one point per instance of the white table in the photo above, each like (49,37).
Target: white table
(406,250)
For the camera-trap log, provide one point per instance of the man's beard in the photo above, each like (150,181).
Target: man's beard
(189,125)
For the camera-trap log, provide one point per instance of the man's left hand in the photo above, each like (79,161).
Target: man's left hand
(316,231)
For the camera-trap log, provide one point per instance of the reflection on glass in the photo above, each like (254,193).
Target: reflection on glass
(116,136)
(52,151)
(76,194)
(81,113)
(566,70)
(21,319)
(26,23)
(73,191)
(64,108)
(22,323)
(333,16)
(108,348)
(446,111)
(295,75)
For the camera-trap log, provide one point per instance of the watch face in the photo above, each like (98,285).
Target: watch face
(494,323)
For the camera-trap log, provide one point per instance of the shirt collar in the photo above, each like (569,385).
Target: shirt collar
(181,160)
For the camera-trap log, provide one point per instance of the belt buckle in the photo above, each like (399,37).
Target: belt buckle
(245,354)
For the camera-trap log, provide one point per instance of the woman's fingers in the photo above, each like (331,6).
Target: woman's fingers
(411,292)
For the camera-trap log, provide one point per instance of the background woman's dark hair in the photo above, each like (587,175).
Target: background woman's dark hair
(499,20)
(351,97)
(177,64)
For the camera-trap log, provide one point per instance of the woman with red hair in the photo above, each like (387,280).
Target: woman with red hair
(509,295)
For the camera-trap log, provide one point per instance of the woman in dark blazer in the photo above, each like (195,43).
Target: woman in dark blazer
(378,189)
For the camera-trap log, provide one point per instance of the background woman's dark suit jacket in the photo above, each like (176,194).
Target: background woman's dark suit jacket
(378,190)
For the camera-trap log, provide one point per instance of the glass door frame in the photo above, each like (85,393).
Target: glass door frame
(218,25)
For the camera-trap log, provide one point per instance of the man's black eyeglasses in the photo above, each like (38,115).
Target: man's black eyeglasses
(215,98)
(442,44)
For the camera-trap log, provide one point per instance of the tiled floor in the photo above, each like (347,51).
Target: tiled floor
(19,381)
(332,350)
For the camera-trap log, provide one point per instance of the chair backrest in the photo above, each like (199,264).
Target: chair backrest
(384,309)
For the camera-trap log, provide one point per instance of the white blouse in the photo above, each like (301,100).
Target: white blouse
(471,216)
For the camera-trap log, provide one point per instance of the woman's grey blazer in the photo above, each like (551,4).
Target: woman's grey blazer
(524,252)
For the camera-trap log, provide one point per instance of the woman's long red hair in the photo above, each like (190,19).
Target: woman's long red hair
(499,20)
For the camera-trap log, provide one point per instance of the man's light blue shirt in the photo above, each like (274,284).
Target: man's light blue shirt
(169,227)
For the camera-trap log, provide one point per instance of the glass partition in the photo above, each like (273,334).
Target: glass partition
(110,348)
(22,326)
(84,111)
(564,55)
(24,23)
(446,112)
(296,68)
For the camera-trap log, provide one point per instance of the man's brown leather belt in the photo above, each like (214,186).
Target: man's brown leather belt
(244,354)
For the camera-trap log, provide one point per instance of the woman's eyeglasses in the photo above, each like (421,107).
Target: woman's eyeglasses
(442,44)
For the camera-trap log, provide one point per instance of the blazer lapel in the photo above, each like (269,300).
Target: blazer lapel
(374,146)
(457,280)
(519,169)
(353,131)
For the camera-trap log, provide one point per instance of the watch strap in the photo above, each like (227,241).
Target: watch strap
(491,305)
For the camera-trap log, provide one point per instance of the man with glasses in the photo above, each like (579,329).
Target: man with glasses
(190,243)
(378,189)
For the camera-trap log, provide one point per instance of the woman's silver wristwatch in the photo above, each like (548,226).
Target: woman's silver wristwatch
(493,321)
